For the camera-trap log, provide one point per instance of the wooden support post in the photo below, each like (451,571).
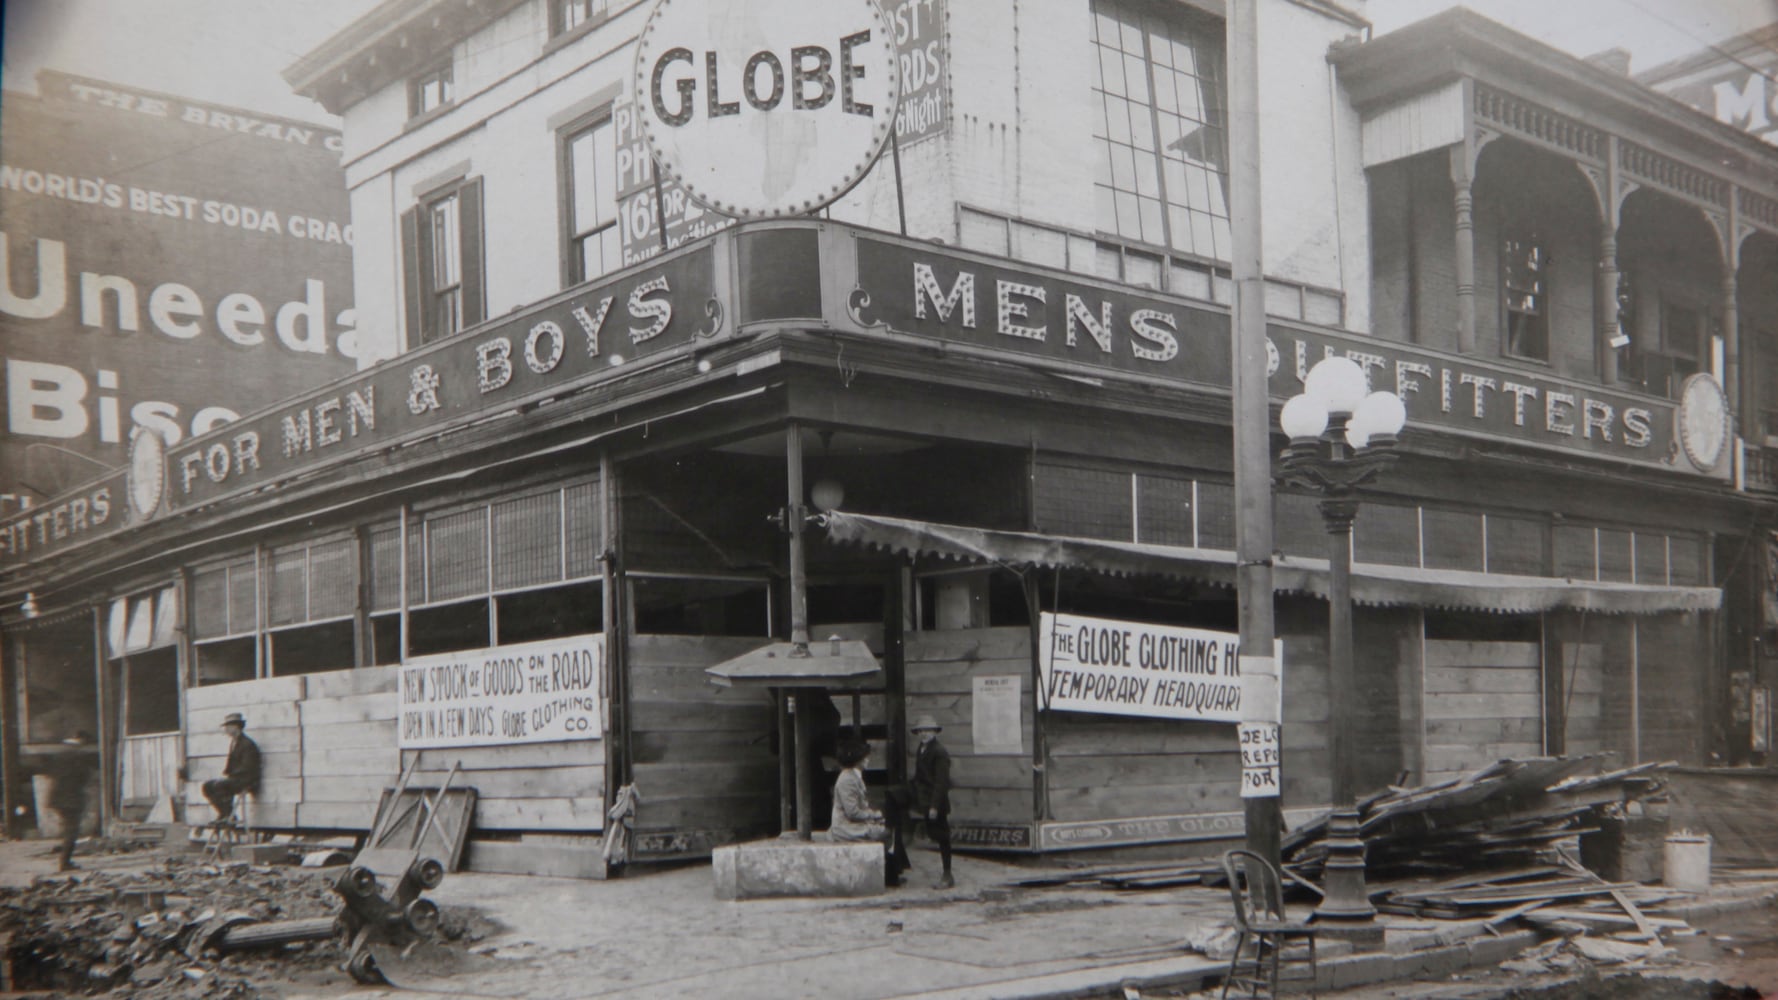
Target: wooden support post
(805,786)
(1463,202)
(786,761)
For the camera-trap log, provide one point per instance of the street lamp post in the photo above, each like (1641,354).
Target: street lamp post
(1341,438)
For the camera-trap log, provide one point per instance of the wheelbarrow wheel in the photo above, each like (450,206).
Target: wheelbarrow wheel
(363,968)
(422,917)
(430,874)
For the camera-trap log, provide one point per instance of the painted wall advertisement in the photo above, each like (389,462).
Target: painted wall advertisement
(534,692)
(164,264)
(922,113)
(1134,668)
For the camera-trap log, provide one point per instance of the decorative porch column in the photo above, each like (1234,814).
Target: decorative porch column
(1607,298)
(1731,317)
(1462,181)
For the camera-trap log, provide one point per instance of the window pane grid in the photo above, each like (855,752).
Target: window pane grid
(457,555)
(243,597)
(287,586)
(333,579)
(592,200)
(583,529)
(385,569)
(209,603)
(1161,73)
(528,541)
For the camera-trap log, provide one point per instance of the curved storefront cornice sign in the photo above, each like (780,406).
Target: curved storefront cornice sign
(766,108)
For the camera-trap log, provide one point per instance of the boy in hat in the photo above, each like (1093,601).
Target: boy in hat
(932,791)
(240,773)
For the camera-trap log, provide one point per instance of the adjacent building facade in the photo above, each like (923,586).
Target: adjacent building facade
(988,393)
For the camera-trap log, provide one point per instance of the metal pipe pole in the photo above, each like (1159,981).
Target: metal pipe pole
(1252,419)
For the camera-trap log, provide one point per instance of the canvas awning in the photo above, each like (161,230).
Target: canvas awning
(1372,583)
(825,663)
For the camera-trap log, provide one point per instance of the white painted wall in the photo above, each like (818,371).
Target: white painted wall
(1020,144)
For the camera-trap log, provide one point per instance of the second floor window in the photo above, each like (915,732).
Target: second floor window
(430,90)
(442,256)
(1162,170)
(566,15)
(590,169)
(1524,271)
(1675,351)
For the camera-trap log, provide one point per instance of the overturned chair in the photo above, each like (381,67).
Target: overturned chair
(1258,894)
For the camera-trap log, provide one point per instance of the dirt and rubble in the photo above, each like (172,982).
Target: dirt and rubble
(182,928)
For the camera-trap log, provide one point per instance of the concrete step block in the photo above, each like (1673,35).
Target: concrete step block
(767,868)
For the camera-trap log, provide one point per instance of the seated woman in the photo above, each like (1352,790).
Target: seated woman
(853,818)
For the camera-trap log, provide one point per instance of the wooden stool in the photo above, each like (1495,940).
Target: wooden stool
(236,828)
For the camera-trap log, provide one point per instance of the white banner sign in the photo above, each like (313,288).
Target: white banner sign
(1132,668)
(533,692)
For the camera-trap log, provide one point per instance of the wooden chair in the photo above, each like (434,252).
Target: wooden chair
(1257,893)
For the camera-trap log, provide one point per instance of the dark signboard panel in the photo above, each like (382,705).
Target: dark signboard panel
(167,264)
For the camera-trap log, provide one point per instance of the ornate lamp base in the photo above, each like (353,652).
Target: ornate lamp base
(1346,911)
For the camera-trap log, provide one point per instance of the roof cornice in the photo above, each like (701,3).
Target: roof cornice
(393,41)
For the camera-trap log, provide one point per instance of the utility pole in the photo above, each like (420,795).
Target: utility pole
(1260,728)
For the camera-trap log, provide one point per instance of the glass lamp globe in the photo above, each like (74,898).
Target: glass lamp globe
(1339,383)
(1380,414)
(827,494)
(1303,417)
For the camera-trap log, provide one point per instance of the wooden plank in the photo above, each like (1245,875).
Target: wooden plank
(990,772)
(336,815)
(1459,731)
(688,780)
(1466,680)
(348,735)
(666,747)
(214,742)
(264,715)
(270,789)
(344,683)
(540,814)
(352,761)
(657,716)
(348,788)
(564,753)
(712,810)
(968,645)
(1463,653)
(236,697)
(520,858)
(1484,706)
(382,706)
(525,782)
(1116,770)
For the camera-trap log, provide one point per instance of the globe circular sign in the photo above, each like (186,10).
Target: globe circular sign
(766,108)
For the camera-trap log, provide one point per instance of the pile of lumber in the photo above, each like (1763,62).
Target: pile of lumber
(1509,814)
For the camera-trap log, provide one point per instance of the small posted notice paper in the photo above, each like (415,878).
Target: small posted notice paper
(1260,760)
(995,715)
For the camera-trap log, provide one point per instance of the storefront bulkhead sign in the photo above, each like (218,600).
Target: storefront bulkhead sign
(1134,668)
(534,692)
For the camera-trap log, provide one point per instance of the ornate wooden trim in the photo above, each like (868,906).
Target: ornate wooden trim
(1758,211)
(1539,125)
(1673,177)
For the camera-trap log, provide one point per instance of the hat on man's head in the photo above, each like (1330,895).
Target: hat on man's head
(926,722)
(234,719)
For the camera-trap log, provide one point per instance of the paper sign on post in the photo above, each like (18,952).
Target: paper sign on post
(1261,761)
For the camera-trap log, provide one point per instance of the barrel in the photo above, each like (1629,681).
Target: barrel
(1687,862)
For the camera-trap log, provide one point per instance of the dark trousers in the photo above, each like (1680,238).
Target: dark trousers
(221,792)
(71,815)
(940,831)
(895,816)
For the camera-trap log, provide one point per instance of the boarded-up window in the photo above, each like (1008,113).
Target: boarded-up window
(1574,552)
(1387,534)
(1164,511)
(1515,545)
(1453,539)
(1090,503)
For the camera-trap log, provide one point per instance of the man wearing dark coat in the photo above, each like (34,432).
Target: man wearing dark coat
(932,792)
(240,773)
(71,772)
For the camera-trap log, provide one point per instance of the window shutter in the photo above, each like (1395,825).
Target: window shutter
(287,587)
(474,268)
(385,568)
(412,268)
(333,579)
(209,603)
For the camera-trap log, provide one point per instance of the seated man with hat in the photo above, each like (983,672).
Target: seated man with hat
(240,773)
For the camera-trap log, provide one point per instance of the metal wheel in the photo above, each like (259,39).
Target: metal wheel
(422,917)
(363,968)
(430,873)
(364,881)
